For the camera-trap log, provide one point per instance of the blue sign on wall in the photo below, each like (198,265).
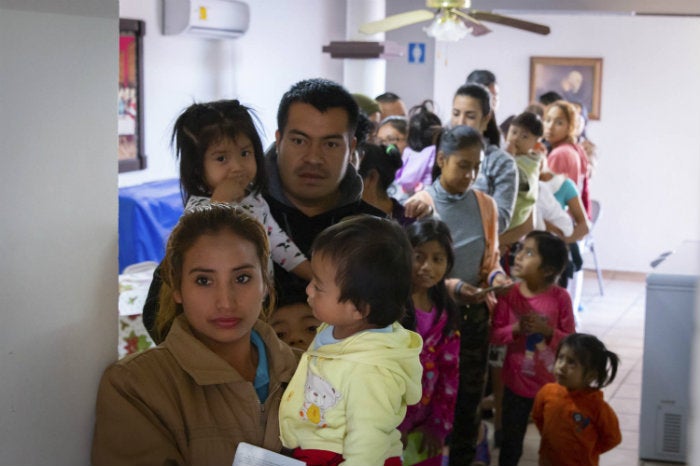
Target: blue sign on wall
(416,52)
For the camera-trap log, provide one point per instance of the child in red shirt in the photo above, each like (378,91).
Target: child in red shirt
(576,424)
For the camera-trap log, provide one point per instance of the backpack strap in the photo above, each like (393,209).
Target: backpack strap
(489,222)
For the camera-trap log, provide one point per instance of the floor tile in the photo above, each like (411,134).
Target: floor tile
(617,318)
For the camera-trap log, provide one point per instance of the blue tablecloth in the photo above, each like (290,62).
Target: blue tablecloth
(147,214)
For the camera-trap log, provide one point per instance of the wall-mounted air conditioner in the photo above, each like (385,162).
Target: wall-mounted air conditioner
(218,19)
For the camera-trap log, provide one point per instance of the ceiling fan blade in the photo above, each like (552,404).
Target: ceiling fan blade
(477,27)
(397,21)
(510,21)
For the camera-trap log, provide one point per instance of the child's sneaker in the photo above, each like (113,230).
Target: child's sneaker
(482,457)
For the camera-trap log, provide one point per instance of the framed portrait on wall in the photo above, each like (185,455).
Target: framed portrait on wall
(575,79)
(130,101)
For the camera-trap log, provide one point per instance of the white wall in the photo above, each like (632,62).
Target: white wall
(413,82)
(58,284)
(643,135)
(648,136)
(281,47)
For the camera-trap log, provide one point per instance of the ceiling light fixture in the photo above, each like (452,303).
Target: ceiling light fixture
(447,27)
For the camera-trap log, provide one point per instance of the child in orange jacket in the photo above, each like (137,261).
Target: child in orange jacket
(576,424)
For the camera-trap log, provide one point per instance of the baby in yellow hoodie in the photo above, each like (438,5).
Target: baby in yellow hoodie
(353,384)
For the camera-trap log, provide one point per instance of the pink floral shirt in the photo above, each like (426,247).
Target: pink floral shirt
(440,360)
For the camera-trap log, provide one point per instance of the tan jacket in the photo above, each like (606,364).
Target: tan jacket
(180,404)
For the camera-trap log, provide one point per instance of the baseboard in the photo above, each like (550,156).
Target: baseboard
(617,275)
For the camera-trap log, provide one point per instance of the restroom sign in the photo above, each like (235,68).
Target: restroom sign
(416,52)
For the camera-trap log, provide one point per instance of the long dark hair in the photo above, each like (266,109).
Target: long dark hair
(553,252)
(483,96)
(421,232)
(385,160)
(453,139)
(423,124)
(202,124)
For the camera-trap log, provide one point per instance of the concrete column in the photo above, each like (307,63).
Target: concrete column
(367,75)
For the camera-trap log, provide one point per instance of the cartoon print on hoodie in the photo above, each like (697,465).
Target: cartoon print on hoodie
(319,395)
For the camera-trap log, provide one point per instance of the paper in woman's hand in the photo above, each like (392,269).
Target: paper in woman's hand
(250,455)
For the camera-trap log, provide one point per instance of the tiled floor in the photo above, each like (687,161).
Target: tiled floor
(617,318)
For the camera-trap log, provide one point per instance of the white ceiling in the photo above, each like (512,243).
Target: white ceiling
(668,7)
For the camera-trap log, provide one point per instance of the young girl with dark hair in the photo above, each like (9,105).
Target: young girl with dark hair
(472,218)
(575,423)
(498,177)
(378,166)
(419,156)
(530,319)
(222,160)
(393,130)
(427,423)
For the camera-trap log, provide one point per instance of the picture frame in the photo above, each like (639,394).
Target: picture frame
(577,80)
(131,155)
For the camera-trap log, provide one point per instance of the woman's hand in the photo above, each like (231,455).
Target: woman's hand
(419,205)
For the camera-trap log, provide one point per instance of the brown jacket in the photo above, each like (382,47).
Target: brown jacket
(180,404)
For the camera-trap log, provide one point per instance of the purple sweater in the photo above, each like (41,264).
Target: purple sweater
(416,172)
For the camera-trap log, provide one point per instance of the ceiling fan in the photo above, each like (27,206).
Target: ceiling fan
(451,20)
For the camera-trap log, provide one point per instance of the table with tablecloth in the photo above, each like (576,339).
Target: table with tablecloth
(147,214)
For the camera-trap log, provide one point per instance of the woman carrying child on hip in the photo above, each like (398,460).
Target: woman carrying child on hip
(218,377)
(531,319)
(575,423)
(436,320)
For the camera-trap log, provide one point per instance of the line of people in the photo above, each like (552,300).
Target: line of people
(396,324)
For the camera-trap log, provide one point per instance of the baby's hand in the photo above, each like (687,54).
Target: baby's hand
(536,323)
(231,189)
